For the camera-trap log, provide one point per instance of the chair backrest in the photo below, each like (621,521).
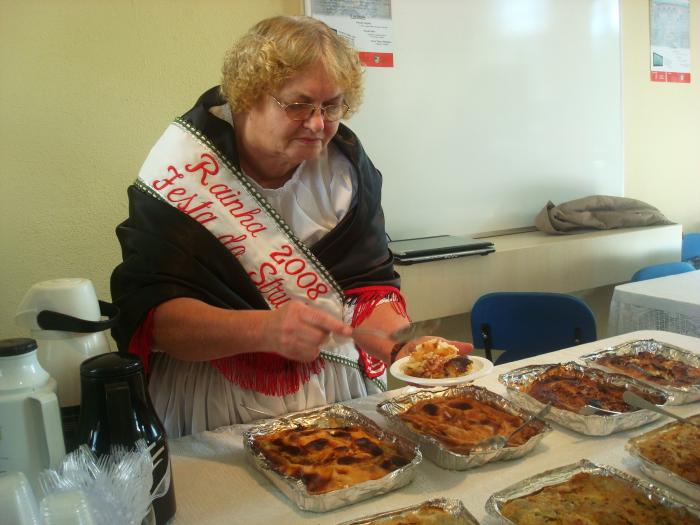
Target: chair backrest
(525,324)
(690,248)
(662,270)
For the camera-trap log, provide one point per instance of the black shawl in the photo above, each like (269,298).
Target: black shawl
(162,246)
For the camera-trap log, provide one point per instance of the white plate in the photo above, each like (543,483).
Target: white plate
(481,367)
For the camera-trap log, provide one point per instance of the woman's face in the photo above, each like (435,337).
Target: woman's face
(271,139)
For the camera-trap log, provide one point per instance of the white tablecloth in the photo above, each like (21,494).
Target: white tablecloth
(668,303)
(215,484)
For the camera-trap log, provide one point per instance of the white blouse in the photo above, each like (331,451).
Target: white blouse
(317,196)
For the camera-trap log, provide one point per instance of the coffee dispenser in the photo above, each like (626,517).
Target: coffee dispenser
(65,318)
(116,410)
(30,423)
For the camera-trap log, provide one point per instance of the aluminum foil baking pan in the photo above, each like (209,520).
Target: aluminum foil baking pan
(658,495)
(436,451)
(659,472)
(457,514)
(331,416)
(592,425)
(679,395)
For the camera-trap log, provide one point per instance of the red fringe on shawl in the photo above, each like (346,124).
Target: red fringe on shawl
(142,340)
(272,374)
(267,373)
(368,298)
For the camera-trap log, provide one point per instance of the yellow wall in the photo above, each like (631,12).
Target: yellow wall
(87,86)
(661,123)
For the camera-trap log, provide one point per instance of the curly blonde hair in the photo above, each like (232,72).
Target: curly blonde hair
(276,49)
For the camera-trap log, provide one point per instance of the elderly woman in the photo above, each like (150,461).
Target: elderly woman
(255,241)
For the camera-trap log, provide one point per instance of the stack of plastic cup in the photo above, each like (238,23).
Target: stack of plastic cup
(66,508)
(17,503)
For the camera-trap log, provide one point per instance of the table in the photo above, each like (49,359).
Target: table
(215,484)
(669,303)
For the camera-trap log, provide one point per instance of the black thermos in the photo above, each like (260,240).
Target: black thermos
(116,409)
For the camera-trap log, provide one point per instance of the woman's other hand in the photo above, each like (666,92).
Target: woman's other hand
(297,331)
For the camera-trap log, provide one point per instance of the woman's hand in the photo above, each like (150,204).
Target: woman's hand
(297,331)
(191,330)
(410,346)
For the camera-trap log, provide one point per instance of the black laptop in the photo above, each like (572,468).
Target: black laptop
(424,249)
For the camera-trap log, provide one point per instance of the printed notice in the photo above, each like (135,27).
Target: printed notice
(670,40)
(365,23)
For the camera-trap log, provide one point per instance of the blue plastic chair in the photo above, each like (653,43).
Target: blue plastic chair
(662,270)
(525,324)
(690,249)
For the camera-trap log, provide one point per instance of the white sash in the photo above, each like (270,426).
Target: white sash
(185,170)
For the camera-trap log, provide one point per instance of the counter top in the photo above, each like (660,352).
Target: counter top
(536,262)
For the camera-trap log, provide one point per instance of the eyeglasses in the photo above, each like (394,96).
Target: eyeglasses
(303,111)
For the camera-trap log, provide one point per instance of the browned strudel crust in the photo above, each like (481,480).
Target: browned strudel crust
(328,459)
(654,368)
(459,423)
(572,389)
(424,515)
(437,359)
(592,499)
(676,448)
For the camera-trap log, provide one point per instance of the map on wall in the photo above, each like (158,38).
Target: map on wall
(366,24)
(670,40)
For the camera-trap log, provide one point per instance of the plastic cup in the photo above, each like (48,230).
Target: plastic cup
(71,296)
(66,508)
(17,503)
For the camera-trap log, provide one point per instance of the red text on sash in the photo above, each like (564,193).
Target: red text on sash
(284,267)
(199,209)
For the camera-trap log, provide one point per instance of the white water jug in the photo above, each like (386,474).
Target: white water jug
(31,438)
(64,316)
